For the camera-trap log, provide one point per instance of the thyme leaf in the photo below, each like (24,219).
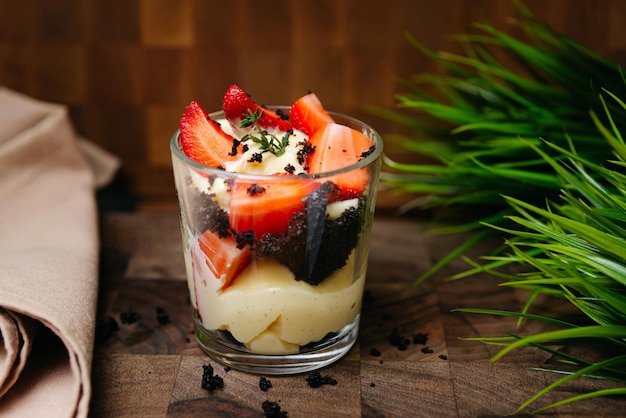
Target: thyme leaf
(267,141)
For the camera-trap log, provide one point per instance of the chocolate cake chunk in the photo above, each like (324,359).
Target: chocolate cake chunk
(315,246)
(206,214)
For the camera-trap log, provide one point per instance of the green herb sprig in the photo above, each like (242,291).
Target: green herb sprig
(267,142)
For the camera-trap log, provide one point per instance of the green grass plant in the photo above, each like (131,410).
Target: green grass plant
(534,154)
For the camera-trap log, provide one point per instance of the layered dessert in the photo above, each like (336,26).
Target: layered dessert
(274,205)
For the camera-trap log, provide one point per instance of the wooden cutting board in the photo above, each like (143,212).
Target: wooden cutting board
(154,368)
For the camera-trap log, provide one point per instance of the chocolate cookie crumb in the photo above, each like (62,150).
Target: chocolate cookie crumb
(272,410)
(245,238)
(426,350)
(374,352)
(233,151)
(304,152)
(211,381)
(289,168)
(443,357)
(162,316)
(257,157)
(255,189)
(372,385)
(420,338)
(371,149)
(264,384)
(399,341)
(129,317)
(315,380)
(227,369)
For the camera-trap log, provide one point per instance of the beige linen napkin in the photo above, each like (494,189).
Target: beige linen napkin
(48,259)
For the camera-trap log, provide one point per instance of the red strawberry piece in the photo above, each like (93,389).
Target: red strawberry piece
(223,257)
(267,207)
(237,104)
(202,139)
(338,146)
(308,114)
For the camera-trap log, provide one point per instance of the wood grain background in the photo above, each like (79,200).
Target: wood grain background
(126,68)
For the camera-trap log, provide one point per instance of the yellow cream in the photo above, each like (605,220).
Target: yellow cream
(270,312)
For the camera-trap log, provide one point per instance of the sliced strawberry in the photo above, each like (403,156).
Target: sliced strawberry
(338,146)
(223,257)
(202,139)
(237,104)
(308,114)
(267,207)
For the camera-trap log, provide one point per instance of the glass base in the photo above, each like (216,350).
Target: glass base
(223,348)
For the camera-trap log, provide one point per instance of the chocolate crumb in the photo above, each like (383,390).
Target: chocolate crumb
(374,352)
(264,384)
(371,149)
(272,410)
(255,189)
(398,340)
(227,369)
(305,151)
(229,182)
(315,380)
(233,151)
(211,381)
(443,357)
(372,384)
(420,338)
(289,168)
(129,317)
(245,238)
(162,316)
(257,157)
(426,350)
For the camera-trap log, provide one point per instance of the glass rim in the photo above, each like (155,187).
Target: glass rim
(344,119)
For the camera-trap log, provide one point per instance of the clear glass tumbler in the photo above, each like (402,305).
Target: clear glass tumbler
(276,302)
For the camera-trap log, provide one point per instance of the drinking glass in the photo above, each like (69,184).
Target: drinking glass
(287,298)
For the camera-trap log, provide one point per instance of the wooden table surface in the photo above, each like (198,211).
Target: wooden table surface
(153,367)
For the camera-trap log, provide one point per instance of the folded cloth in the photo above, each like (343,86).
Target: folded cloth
(48,259)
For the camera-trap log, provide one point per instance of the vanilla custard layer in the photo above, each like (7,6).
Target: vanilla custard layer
(270,312)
